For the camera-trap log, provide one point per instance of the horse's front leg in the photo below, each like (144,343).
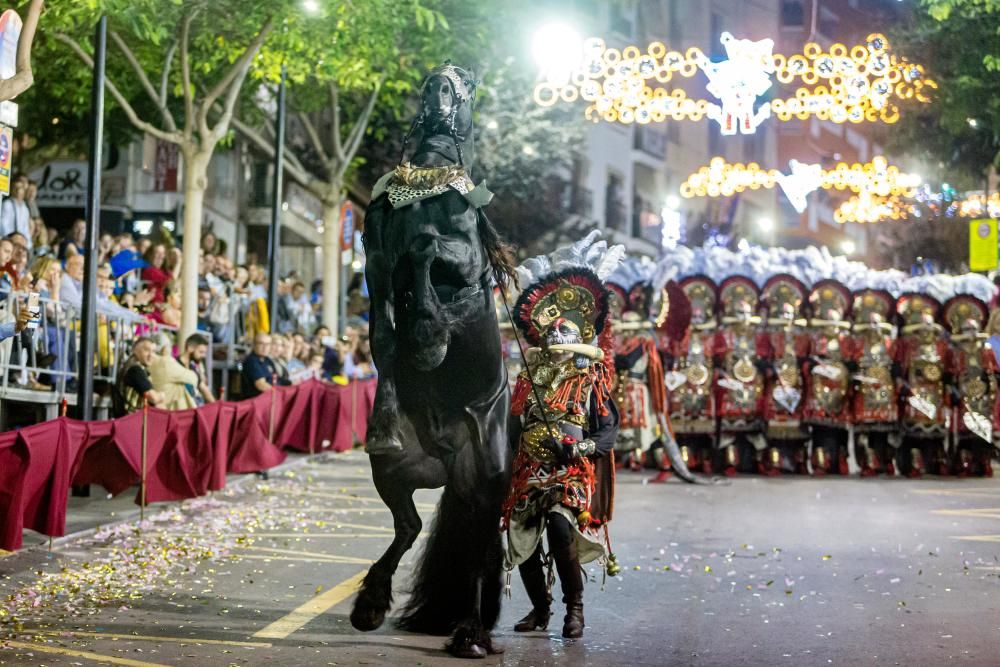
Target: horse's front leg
(383,425)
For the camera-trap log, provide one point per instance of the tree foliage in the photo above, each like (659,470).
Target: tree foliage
(959,40)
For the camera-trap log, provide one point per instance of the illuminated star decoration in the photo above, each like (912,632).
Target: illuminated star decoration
(738,81)
(862,83)
(873,179)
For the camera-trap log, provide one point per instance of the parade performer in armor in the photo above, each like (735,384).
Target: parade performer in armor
(828,381)
(640,391)
(691,378)
(563,476)
(784,297)
(741,358)
(973,369)
(874,406)
(921,353)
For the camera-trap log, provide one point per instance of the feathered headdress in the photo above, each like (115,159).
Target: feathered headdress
(569,283)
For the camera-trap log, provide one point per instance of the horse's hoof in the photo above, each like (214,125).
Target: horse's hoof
(470,651)
(367,620)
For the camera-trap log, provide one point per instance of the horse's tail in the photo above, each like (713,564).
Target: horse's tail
(463,550)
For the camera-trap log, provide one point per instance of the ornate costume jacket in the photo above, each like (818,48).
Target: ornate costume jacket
(827,378)
(577,405)
(690,386)
(787,346)
(923,361)
(973,368)
(640,391)
(741,351)
(874,404)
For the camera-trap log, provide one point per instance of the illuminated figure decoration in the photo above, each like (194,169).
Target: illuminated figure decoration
(875,178)
(862,83)
(805,178)
(738,82)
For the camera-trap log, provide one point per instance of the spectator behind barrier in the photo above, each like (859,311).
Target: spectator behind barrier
(133,380)
(193,358)
(15,326)
(170,377)
(14,213)
(258,369)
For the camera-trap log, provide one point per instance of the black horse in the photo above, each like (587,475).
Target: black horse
(442,401)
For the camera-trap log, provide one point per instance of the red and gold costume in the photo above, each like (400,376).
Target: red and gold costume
(691,377)
(784,296)
(874,402)
(921,354)
(828,380)
(741,350)
(972,367)
(562,483)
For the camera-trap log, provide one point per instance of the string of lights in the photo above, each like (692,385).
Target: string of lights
(876,178)
(844,84)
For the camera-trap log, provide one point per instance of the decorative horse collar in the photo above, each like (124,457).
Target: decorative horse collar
(408,184)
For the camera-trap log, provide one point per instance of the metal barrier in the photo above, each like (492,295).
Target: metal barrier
(56,336)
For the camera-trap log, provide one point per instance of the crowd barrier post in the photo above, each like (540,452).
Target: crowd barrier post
(274,397)
(143,460)
(354,412)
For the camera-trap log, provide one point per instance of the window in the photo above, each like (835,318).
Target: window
(614,203)
(621,19)
(792,14)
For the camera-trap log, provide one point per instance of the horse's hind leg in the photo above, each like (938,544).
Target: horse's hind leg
(375,595)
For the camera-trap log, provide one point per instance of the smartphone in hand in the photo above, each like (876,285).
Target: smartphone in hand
(34,309)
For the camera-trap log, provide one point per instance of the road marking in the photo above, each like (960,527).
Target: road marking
(974,491)
(981,513)
(320,604)
(977,538)
(150,638)
(313,554)
(96,657)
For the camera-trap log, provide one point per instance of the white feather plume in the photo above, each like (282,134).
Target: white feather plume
(810,266)
(589,252)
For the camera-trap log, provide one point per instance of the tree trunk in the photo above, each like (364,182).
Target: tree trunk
(195,183)
(331,261)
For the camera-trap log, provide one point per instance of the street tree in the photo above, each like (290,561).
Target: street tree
(24,76)
(959,134)
(341,60)
(176,70)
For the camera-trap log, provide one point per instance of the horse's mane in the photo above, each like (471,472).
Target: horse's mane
(499,253)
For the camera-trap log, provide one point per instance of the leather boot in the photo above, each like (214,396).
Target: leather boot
(533,576)
(571,579)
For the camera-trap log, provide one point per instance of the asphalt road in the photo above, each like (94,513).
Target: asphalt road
(762,571)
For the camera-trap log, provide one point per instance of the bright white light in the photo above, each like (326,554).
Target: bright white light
(670,232)
(673,201)
(743,245)
(528,150)
(311,6)
(558,51)
(356,265)
(848,247)
(168,225)
(142,227)
(973,123)
(765,224)
(284,206)
(492,124)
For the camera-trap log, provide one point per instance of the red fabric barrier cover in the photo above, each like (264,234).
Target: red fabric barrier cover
(189,452)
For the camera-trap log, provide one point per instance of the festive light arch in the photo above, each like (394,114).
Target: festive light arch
(854,84)
(870,208)
(873,179)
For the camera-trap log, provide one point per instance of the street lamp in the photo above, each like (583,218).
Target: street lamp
(310,6)
(558,50)
(765,224)
(848,247)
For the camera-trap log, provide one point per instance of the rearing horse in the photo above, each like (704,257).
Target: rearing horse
(442,401)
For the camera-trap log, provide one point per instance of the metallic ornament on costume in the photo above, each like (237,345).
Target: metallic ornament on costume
(930,371)
(959,310)
(697,374)
(744,370)
(789,375)
(979,425)
(787,397)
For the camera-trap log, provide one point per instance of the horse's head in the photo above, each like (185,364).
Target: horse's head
(441,278)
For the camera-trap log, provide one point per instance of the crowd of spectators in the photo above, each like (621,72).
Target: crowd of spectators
(139,304)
